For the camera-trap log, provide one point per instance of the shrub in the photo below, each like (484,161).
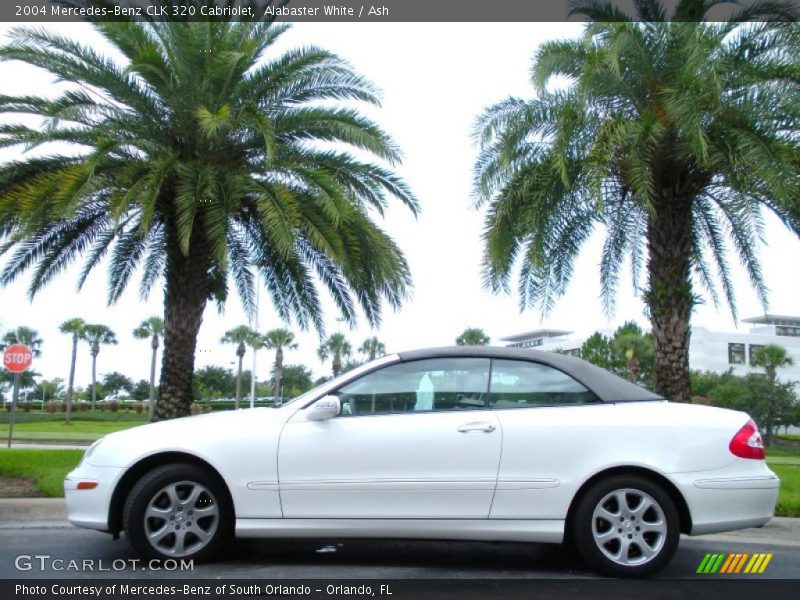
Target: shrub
(139,407)
(113,406)
(51,407)
(27,406)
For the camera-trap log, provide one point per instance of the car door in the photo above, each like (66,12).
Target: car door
(412,440)
(552,432)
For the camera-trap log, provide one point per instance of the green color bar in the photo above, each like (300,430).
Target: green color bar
(701,568)
(717,564)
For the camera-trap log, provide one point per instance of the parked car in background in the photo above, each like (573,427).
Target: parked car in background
(470,443)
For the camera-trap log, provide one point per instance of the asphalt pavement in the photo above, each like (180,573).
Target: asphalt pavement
(46,552)
(36,540)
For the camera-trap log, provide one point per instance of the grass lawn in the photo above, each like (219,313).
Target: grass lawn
(47,468)
(79,430)
(38,416)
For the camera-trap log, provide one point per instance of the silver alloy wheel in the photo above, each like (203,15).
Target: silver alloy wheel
(181,518)
(629,527)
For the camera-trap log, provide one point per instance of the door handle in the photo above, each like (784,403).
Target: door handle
(479,426)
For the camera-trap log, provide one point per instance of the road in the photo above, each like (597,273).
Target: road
(354,559)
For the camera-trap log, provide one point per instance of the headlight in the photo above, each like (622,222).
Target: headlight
(89,451)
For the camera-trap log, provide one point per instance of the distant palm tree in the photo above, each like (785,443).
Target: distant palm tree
(152,328)
(278,339)
(30,338)
(96,335)
(23,335)
(76,328)
(672,134)
(372,348)
(336,347)
(634,346)
(771,357)
(202,154)
(241,336)
(473,336)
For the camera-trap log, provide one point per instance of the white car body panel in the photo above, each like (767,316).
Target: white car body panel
(398,466)
(416,476)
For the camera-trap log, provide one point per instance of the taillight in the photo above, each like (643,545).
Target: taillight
(747,442)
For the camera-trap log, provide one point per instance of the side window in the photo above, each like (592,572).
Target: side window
(422,385)
(518,384)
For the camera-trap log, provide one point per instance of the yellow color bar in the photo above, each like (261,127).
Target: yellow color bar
(765,563)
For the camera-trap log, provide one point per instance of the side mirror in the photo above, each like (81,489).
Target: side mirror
(325,408)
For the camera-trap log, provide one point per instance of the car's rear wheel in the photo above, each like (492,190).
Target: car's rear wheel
(626,526)
(178,511)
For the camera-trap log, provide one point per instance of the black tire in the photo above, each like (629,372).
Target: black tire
(643,546)
(199,539)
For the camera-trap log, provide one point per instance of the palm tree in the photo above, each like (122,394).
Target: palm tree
(152,328)
(97,335)
(771,357)
(634,347)
(197,156)
(673,135)
(278,339)
(372,348)
(75,328)
(23,335)
(473,336)
(241,336)
(336,347)
(30,338)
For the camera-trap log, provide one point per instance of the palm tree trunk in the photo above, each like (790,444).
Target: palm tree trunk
(239,383)
(71,386)
(185,297)
(278,373)
(151,407)
(633,369)
(337,365)
(94,379)
(669,296)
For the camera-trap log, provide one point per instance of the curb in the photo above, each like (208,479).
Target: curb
(32,512)
(780,531)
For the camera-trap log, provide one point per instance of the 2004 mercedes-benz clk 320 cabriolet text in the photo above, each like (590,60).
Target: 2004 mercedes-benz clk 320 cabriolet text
(468,443)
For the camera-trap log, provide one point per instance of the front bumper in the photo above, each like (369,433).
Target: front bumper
(90,507)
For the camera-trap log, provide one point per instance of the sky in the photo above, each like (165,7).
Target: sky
(435,80)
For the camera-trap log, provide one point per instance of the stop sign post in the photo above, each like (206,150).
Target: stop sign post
(17,359)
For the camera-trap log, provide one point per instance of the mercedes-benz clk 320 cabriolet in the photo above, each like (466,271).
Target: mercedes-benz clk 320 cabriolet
(467,443)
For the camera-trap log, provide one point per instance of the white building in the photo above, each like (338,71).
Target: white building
(708,350)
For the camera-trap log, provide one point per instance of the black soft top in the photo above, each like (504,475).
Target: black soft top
(606,386)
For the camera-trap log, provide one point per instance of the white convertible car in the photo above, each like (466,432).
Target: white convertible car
(469,443)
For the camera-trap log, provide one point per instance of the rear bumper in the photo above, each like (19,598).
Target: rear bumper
(89,508)
(730,499)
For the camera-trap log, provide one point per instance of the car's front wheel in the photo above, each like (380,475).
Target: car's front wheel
(626,526)
(178,511)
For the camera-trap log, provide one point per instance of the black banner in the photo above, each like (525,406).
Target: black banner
(344,10)
(435,589)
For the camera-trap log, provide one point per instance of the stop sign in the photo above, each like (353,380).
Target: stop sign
(17,358)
